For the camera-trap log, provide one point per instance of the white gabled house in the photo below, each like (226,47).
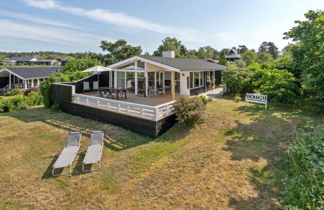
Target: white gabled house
(152,75)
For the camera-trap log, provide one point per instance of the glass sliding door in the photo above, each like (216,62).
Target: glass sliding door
(121,80)
(130,82)
(140,83)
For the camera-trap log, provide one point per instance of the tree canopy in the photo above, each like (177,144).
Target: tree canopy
(308,51)
(118,51)
(269,47)
(80,64)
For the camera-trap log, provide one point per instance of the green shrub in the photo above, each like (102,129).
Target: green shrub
(20,102)
(279,85)
(59,77)
(34,99)
(238,80)
(189,110)
(304,171)
(204,99)
(14,92)
(237,98)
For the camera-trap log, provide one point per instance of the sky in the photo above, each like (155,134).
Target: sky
(80,25)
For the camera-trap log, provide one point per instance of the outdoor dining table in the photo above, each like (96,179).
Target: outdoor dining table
(109,90)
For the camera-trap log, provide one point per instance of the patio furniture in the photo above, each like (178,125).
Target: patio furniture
(68,154)
(113,92)
(94,151)
(95,86)
(86,86)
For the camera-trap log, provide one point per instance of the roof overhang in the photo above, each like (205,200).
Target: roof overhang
(136,58)
(7,70)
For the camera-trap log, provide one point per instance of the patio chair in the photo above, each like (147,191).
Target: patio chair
(86,86)
(68,154)
(94,151)
(95,86)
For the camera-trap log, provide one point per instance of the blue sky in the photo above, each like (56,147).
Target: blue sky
(80,25)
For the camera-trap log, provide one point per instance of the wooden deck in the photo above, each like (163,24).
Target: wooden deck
(148,101)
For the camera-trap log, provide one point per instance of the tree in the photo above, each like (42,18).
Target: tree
(118,51)
(80,64)
(249,57)
(269,47)
(242,49)
(308,51)
(207,52)
(264,57)
(169,44)
(222,58)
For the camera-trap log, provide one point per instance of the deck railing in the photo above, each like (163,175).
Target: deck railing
(138,110)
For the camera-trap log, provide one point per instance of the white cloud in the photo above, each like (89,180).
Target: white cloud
(119,19)
(37,19)
(47,34)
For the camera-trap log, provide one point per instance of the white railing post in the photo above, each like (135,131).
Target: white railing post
(87,101)
(107,106)
(97,102)
(156,113)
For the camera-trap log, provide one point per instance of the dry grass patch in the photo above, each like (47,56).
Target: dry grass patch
(227,162)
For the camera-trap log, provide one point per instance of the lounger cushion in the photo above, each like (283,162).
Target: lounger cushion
(93,154)
(66,157)
(96,138)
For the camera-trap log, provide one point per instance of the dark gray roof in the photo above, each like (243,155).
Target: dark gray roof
(22,58)
(233,54)
(34,72)
(187,64)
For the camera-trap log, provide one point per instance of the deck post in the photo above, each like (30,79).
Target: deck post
(173,85)
(9,81)
(146,80)
(25,83)
(136,87)
(156,114)
(115,79)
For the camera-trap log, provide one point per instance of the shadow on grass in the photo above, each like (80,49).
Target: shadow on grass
(116,138)
(262,138)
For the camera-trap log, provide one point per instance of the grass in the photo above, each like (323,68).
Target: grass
(227,162)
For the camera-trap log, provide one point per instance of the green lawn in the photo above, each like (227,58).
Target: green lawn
(228,162)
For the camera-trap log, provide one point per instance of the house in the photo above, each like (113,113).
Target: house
(188,76)
(148,86)
(29,60)
(233,55)
(24,77)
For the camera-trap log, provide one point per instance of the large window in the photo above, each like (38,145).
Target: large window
(196,79)
(121,79)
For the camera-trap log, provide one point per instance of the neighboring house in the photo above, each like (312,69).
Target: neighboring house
(233,55)
(151,85)
(24,77)
(29,60)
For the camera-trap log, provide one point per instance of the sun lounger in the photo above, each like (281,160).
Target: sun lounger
(94,151)
(68,154)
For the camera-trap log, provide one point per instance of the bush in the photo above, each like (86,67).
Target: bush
(304,171)
(20,102)
(29,90)
(279,85)
(237,98)
(189,110)
(34,99)
(204,99)
(238,80)
(14,92)
(59,77)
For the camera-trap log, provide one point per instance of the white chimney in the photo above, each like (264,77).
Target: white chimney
(168,54)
